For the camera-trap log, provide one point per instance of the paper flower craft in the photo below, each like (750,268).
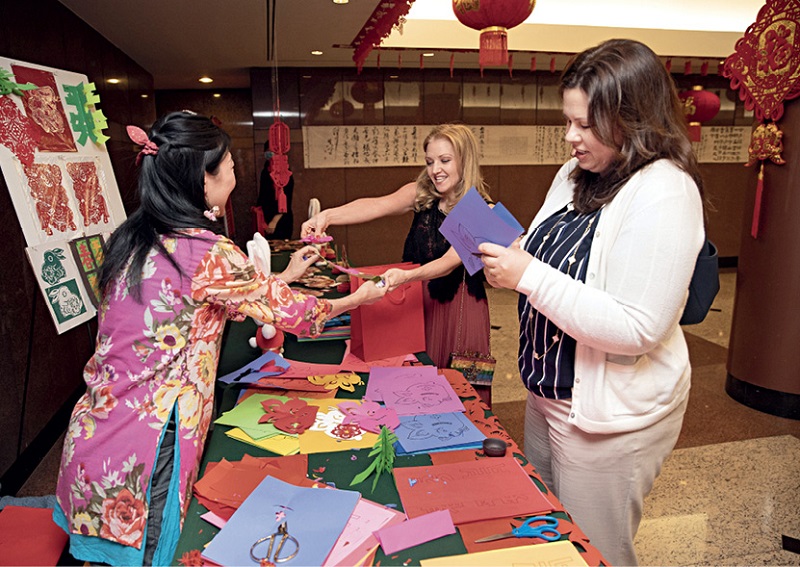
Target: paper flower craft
(292,416)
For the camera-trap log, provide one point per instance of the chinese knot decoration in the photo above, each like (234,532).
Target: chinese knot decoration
(765,144)
(493,18)
(765,69)
(698,106)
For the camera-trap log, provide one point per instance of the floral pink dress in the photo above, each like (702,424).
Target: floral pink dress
(153,357)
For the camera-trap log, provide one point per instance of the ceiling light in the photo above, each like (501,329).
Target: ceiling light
(341,1)
(114,81)
(145,95)
(205,79)
(316,52)
(216,95)
(427,54)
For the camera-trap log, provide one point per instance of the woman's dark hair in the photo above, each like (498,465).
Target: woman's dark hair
(633,108)
(171,194)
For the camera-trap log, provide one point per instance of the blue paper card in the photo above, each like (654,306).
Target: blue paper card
(473,222)
(434,432)
(252,372)
(315,517)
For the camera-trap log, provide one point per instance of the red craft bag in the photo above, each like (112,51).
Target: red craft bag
(394,325)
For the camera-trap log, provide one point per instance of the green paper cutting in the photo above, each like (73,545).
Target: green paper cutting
(87,123)
(8,86)
(383,451)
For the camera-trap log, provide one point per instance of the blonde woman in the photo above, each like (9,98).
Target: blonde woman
(456,308)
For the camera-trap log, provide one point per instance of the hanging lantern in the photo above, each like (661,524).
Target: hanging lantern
(493,18)
(698,106)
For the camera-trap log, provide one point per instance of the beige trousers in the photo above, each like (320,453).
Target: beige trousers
(601,479)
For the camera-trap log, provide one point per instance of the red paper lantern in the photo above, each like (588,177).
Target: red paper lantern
(699,106)
(493,18)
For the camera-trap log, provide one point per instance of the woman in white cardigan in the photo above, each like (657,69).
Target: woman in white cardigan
(603,274)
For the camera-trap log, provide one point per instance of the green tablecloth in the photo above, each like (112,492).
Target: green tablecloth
(339,468)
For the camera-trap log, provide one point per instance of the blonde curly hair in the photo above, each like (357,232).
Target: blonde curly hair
(466,155)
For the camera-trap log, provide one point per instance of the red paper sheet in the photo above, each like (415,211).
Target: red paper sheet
(471,490)
(28,536)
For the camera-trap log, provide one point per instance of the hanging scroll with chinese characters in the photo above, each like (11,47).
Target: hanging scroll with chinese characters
(393,146)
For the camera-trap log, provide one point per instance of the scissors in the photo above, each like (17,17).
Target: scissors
(546,531)
(281,536)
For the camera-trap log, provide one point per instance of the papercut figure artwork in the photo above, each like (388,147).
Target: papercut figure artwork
(51,202)
(65,300)
(17,132)
(427,395)
(344,380)
(370,416)
(88,192)
(332,424)
(52,266)
(43,106)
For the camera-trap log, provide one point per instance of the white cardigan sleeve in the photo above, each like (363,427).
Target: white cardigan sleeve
(641,260)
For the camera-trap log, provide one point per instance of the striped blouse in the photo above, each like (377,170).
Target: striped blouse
(547,355)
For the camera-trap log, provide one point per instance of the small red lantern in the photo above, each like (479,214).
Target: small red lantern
(698,106)
(493,18)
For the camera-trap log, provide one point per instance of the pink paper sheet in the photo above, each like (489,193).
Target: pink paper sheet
(416,531)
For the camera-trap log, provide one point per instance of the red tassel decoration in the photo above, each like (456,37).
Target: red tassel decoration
(687,67)
(704,68)
(533,64)
(282,207)
(552,64)
(668,65)
(757,204)
(452,63)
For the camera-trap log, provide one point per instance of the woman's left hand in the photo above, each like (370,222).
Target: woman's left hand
(299,262)
(504,266)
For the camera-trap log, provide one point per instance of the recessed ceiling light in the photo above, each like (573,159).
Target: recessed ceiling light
(216,95)
(341,1)
(427,54)
(114,81)
(145,95)
(316,52)
(394,76)
(206,79)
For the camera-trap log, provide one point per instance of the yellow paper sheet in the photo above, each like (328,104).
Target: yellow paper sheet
(318,438)
(280,444)
(554,553)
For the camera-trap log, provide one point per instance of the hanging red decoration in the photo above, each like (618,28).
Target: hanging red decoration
(511,65)
(452,63)
(533,64)
(765,67)
(553,64)
(388,14)
(765,144)
(279,143)
(698,106)
(493,18)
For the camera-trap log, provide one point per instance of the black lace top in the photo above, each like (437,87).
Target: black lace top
(425,243)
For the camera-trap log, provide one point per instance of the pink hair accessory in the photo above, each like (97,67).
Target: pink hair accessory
(212,213)
(138,136)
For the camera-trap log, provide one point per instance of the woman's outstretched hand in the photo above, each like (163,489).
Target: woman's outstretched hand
(316,225)
(300,261)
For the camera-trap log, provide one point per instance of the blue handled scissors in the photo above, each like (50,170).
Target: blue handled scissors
(546,531)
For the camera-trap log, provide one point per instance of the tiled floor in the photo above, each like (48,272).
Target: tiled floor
(725,496)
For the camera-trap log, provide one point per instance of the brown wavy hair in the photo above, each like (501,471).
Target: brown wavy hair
(633,108)
(467,157)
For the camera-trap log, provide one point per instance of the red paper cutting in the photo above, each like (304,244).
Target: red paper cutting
(17,132)
(86,185)
(765,67)
(44,107)
(50,198)
(292,416)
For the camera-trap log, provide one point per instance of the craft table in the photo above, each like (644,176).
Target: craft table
(339,468)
